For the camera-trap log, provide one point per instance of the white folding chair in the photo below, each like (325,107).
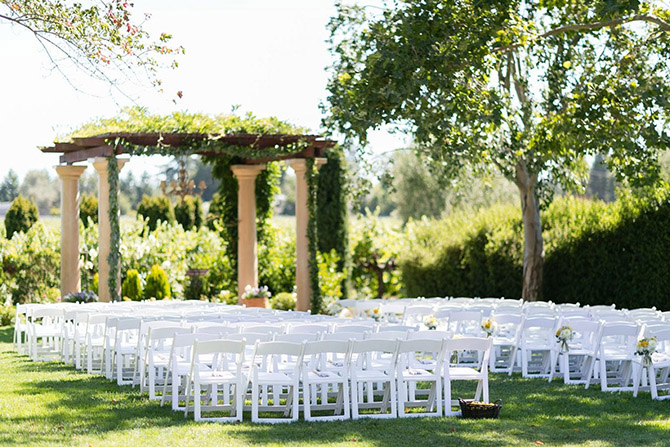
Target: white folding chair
(96,325)
(343,336)
(20,328)
(264,377)
(505,342)
(616,352)
(577,364)
(538,347)
(465,323)
(324,374)
(415,314)
(225,370)
(361,328)
(45,332)
(367,369)
(121,351)
(659,371)
(459,371)
(156,357)
(179,367)
(412,370)
(297,337)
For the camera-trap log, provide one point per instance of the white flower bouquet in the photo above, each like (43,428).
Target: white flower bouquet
(256,292)
(563,335)
(645,348)
(430,322)
(489,326)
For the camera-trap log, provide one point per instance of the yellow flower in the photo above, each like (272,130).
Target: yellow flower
(376,311)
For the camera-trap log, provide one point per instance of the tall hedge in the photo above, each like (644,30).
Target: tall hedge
(331,209)
(155,209)
(596,253)
(21,215)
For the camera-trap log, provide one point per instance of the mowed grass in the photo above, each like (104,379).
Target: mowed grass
(51,404)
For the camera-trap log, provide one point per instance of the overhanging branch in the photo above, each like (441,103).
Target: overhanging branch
(662,24)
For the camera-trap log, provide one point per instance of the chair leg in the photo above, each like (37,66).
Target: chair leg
(652,382)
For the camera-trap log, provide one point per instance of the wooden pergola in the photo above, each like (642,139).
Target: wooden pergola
(101,148)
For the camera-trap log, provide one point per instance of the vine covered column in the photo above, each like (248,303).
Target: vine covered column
(70,274)
(104,227)
(247,256)
(303,281)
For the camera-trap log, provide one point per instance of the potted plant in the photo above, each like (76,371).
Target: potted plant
(256,296)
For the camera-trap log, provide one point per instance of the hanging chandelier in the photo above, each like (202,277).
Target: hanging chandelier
(183,186)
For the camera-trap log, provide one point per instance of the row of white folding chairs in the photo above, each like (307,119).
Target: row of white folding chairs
(603,351)
(342,370)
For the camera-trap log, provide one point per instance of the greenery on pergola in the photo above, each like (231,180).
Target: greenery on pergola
(222,141)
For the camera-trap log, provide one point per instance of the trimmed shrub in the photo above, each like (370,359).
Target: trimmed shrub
(7,314)
(88,209)
(22,214)
(131,287)
(188,213)
(157,284)
(283,301)
(155,209)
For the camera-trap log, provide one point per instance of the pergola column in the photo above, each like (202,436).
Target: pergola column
(104,229)
(247,256)
(70,274)
(302,281)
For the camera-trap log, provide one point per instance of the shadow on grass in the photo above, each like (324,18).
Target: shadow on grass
(66,404)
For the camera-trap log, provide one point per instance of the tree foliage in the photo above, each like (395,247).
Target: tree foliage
(103,38)
(9,188)
(21,215)
(525,88)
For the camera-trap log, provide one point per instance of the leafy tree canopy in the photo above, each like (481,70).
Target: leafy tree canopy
(525,87)
(103,39)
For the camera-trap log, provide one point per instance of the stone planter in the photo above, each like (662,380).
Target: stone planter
(255,302)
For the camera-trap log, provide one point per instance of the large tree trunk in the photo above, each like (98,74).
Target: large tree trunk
(533,245)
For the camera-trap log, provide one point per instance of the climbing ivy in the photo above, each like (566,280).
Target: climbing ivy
(114,229)
(312,236)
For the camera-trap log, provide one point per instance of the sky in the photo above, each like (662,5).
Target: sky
(267,56)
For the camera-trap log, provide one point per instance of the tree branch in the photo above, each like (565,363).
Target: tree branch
(665,26)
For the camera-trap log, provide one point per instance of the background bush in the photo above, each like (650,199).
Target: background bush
(30,266)
(596,253)
(155,209)
(283,301)
(21,215)
(88,209)
(132,286)
(157,284)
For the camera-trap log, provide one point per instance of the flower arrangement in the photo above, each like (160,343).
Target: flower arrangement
(85,296)
(256,292)
(489,326)
(646,347)
(376,314)
(563,334)
(430,322)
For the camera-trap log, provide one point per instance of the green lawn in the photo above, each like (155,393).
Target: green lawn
(50,404)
